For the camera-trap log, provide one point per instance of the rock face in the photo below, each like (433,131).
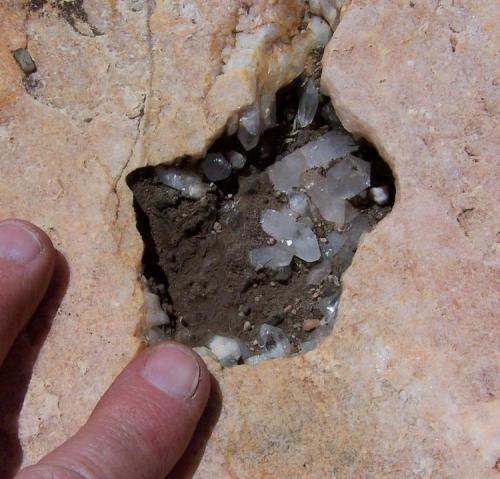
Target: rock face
(407,385)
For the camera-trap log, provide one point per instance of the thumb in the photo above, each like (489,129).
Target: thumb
(141,426)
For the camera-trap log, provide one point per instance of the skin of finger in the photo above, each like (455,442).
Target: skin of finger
(22,288)
(136,430)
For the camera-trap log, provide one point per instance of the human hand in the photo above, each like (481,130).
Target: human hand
(144,422)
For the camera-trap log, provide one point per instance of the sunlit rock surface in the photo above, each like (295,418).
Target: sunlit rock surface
(407,384)
(244,53)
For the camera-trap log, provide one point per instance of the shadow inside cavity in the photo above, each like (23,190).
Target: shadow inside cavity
(17,369)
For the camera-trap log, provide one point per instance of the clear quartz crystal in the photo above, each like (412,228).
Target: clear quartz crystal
(273,257)
(285,173)
(306,245)
(216,167)
(274,344)
(330,207)
(299,203)
(335,242)
(348,177)
(268,111)
(328,306)
(330,146)
(279,225)
(308,104)
(319,272)
(273,340)
(237,160)
(250,128)
(190,184)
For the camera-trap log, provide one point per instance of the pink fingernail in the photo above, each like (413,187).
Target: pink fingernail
(174,370)
(17,243)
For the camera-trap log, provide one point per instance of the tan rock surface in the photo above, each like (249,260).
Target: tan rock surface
(407,385)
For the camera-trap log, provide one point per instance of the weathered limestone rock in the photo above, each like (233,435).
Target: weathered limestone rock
(408,383)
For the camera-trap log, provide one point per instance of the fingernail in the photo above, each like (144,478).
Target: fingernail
(18,244)
(173,370)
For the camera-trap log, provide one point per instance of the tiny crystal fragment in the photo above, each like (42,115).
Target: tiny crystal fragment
(379,195)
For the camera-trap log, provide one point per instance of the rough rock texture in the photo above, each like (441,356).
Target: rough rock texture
(62,153)
(210,61)
(407,385)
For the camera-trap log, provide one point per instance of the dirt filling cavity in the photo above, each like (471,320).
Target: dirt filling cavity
(196,255)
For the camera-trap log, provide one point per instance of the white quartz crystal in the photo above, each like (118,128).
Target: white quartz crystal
(379,195)
(306,244)
(229,351)
(278,224)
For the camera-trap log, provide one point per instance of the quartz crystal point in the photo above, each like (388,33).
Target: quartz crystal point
(308,104)
(189,184)
(319,272)
(250,128)
(330,146)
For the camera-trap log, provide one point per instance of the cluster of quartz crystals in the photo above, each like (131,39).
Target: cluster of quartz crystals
(312,196)
(318,179)
(288,64)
